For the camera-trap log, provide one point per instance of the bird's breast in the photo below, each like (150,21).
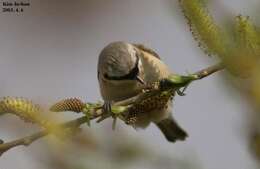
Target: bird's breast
(119,90)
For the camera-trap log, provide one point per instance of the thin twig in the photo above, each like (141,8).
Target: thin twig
(23,141)
(98,112)
(26,141)
(208,71)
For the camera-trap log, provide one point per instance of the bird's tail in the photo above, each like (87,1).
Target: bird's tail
(171,130)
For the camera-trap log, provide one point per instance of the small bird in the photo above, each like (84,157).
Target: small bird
(123,69)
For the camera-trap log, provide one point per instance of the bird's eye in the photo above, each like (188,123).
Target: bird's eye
(106,76)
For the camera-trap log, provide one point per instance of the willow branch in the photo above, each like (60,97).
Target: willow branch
(181,81)
(208,71)
(26,141)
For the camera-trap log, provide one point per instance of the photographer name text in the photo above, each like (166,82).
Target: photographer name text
(16,6)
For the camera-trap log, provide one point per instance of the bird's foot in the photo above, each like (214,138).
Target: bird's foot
(107,112)
(181,92)
(107,108)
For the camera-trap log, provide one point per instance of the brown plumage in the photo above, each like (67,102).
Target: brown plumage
(120,58)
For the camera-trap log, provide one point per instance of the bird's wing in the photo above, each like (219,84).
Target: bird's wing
(147,49)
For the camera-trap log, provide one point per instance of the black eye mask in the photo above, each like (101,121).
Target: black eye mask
(132,75)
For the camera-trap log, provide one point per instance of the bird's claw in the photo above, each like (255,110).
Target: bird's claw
(181,92)
(107,112)
(107,108)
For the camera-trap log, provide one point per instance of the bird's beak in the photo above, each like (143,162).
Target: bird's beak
(139,79)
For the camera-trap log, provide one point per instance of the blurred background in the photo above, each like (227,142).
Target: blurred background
(50,51)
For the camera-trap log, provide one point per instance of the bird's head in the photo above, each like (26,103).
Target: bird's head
(120,61)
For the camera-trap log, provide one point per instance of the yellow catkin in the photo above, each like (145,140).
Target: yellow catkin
(29,112)
(246,35)
(22,108)
(203,27)
(245,55)
(71,104)
(152,103)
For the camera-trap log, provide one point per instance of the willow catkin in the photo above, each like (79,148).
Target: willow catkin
(156,102)
(21,107)
(246,35)
(203,27)
(71,104)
